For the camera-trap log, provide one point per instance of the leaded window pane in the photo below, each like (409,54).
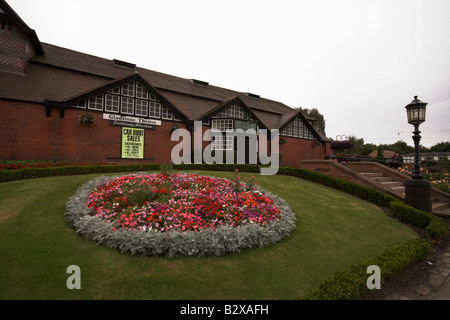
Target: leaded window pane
(115,90)
(222,125)
(167,114)
(141,107)
(112,103)
(127,106)
(128,89)
(154,109)
(141,92)
(81,105)
(96,103)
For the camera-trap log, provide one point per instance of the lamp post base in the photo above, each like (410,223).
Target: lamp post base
(418,194)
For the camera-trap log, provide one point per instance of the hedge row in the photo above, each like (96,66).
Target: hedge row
(352,284)
(30,173)
(366,193)
(434,226)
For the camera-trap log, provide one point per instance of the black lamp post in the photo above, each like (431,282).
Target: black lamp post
(417,190)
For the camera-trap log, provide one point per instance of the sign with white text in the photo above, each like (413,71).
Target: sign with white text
(135,120)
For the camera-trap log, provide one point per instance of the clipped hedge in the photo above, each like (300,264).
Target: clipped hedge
(366,193)
(30,173)
(434,226)
(352,284)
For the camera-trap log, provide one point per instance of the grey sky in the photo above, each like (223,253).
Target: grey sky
(358,62)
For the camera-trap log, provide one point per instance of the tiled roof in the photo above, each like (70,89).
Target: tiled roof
(62,73)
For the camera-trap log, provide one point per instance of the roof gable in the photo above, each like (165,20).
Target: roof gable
(297,125)
(9,18)
(132,86)
(233,108)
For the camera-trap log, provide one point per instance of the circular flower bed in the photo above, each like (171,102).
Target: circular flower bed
(178,214)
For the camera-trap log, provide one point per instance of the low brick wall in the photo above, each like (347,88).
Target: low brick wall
(337,170)
(350,172)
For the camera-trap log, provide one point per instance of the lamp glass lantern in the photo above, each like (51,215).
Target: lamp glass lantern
(416,111)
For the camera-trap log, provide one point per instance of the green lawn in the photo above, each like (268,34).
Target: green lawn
(334,231)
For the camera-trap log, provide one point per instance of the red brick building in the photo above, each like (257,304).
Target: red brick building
(46,91)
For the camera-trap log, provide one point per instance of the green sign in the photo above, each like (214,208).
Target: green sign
(132,143)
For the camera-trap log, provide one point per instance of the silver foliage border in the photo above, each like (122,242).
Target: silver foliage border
(223,240)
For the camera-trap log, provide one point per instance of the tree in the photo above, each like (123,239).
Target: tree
(368,148)
(358,144)
(380,153)
(400,147)
(441,147)
(319,120)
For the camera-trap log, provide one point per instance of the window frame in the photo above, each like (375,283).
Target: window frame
(96,102)
(106,102)
(122,105)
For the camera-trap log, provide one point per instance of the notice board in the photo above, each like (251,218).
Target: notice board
(132,143)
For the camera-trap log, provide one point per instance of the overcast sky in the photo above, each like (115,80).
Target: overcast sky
(358,62)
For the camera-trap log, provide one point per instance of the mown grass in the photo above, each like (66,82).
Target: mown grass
(334,231)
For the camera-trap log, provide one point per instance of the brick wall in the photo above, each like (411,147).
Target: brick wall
(27,134)
(296,150)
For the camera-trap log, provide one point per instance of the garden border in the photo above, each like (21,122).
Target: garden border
(205,242)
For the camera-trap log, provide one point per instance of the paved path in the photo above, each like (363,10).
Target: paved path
(436,283)
(427,280)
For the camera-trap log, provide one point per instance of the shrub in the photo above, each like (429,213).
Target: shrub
(410,215)
(366,193)
(436,229)
(351,284)
(434,226)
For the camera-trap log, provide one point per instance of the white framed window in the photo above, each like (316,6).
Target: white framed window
(141,107)
(152,97)
(221,114)
(222,143)
(231,111)
(154,110)
(295,131)
(166,113)
(222,125)
(81,105)
(127,105)
(289,130)
(176,117)
(239,112)
(128,89)
(96,103)
(141,92)
(112,103)
(305,132)
(115,90)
